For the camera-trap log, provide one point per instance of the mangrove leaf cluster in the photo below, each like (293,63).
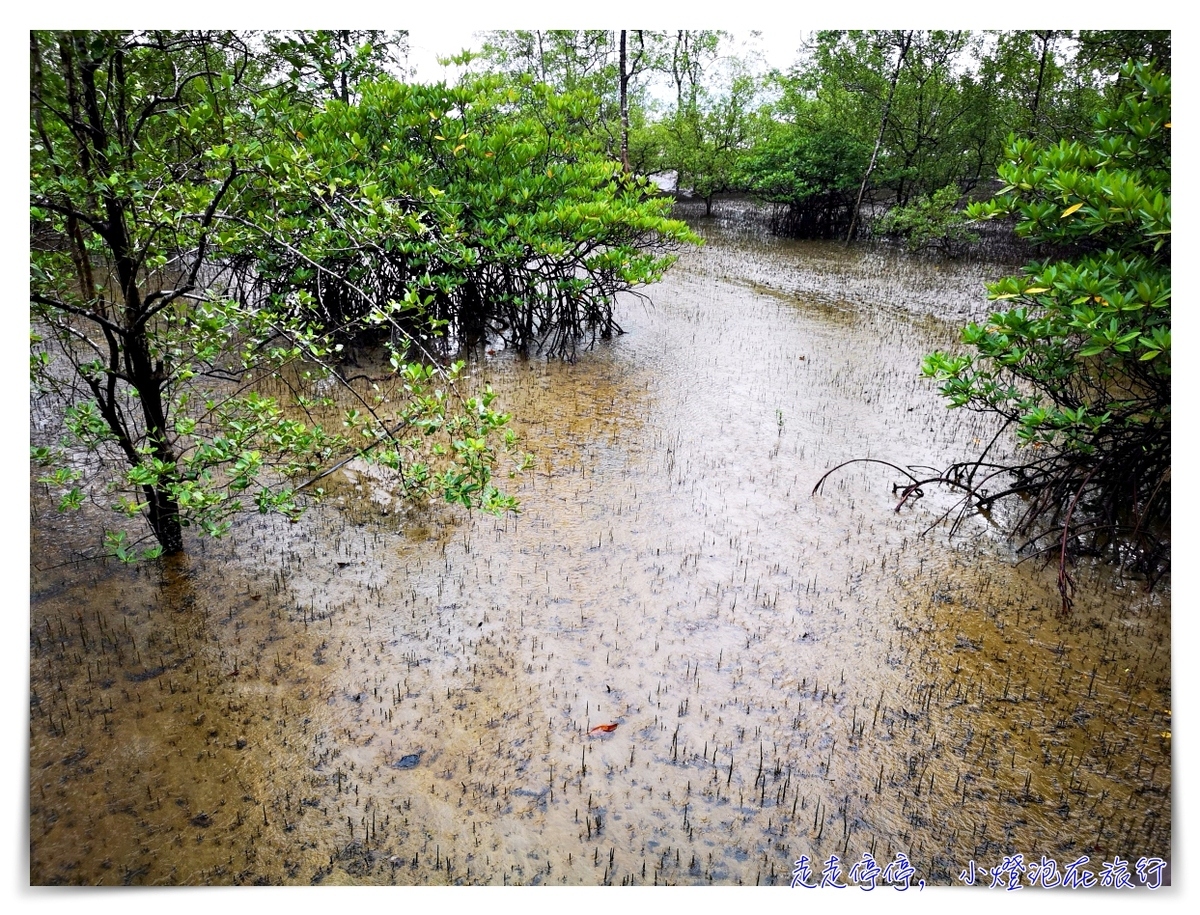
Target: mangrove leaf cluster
(215,215)
(1079,360)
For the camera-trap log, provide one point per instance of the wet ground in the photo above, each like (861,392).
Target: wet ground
(375,696)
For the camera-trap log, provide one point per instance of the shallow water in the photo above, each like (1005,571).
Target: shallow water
(412,698)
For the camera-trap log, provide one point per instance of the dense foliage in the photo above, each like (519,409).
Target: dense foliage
(333,63)
(502,221)
(812,175)
(895,114)
(610,66)
(934,108)
(930,222)
(706,138)
(212,219)
(1079,362)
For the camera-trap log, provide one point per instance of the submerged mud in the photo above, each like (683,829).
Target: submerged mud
(373,695)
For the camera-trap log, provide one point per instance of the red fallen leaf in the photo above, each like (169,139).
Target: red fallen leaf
(606,728)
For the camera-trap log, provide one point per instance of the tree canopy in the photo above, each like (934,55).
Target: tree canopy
(936,106)
(202,233)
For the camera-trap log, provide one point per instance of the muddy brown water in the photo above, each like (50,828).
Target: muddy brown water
(379,696)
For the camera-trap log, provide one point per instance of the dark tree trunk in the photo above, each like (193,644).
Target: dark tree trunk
(624,104)
(347,51)
(164,521)
(1046,39)
(147,378)
(138,368)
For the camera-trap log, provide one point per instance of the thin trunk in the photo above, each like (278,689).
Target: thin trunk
(344,44)
(678,56)
(624,105)
(905,44)
(1046,38)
